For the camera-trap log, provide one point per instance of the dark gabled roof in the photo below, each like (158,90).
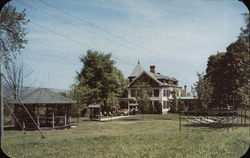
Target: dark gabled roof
(160,76)
(155,77)
(137,70)
(150,75)
(43,96)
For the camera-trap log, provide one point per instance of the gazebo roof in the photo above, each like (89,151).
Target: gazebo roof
(43,96)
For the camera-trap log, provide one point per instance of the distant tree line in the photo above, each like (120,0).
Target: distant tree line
(226,81)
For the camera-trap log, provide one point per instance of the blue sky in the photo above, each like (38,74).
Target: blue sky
(175,35)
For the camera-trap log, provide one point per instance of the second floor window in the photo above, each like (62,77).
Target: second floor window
(166,105)
(150,94)
(156,92)
(166,93)
(133,93)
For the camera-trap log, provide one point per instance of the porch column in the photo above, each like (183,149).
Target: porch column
(162,104)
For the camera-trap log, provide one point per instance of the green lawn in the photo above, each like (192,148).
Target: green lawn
(157,136)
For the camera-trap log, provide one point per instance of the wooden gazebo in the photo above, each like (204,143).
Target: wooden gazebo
(49,109)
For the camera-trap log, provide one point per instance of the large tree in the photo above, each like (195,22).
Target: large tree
(215,72)
(229,72)
(99,81)
(237,72)
(142,97)
(12,32)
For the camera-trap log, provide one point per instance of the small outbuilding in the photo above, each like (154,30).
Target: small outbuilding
(49,109)
(94,112)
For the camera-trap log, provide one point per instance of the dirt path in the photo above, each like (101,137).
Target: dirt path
(121,122)
(113,118)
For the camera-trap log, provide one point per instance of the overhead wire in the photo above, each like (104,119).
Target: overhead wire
(77,26)
(114,35)
(97,27)
(72,40)
(62,35)
(81,43)
(81,29)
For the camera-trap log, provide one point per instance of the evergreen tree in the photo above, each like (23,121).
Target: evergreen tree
(229,72)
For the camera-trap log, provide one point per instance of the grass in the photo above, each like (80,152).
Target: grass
(156,136)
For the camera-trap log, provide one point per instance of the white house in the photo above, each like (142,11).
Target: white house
(161,86)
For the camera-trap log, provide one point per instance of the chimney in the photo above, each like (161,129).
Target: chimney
(185,90)
(152,69)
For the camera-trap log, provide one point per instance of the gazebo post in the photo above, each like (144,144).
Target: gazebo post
(53,118)
(99,114)
(38,119)
(23,125)
(69,114)
(180,120)
(237,118)
(227,121)
(69,119)
(65,119)
(241,117)
(38,122)
(188,114)
(233,122)
(46,115)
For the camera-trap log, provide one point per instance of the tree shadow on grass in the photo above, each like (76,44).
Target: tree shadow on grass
(11,128)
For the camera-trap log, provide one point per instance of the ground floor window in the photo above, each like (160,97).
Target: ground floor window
(165,105)
(156,92)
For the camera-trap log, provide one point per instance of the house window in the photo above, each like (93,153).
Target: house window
(166,93)
(133,93)
(150,94)
(156,92)
(165,105)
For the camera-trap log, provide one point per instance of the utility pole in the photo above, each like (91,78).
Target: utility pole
(1,101)
(1,87)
